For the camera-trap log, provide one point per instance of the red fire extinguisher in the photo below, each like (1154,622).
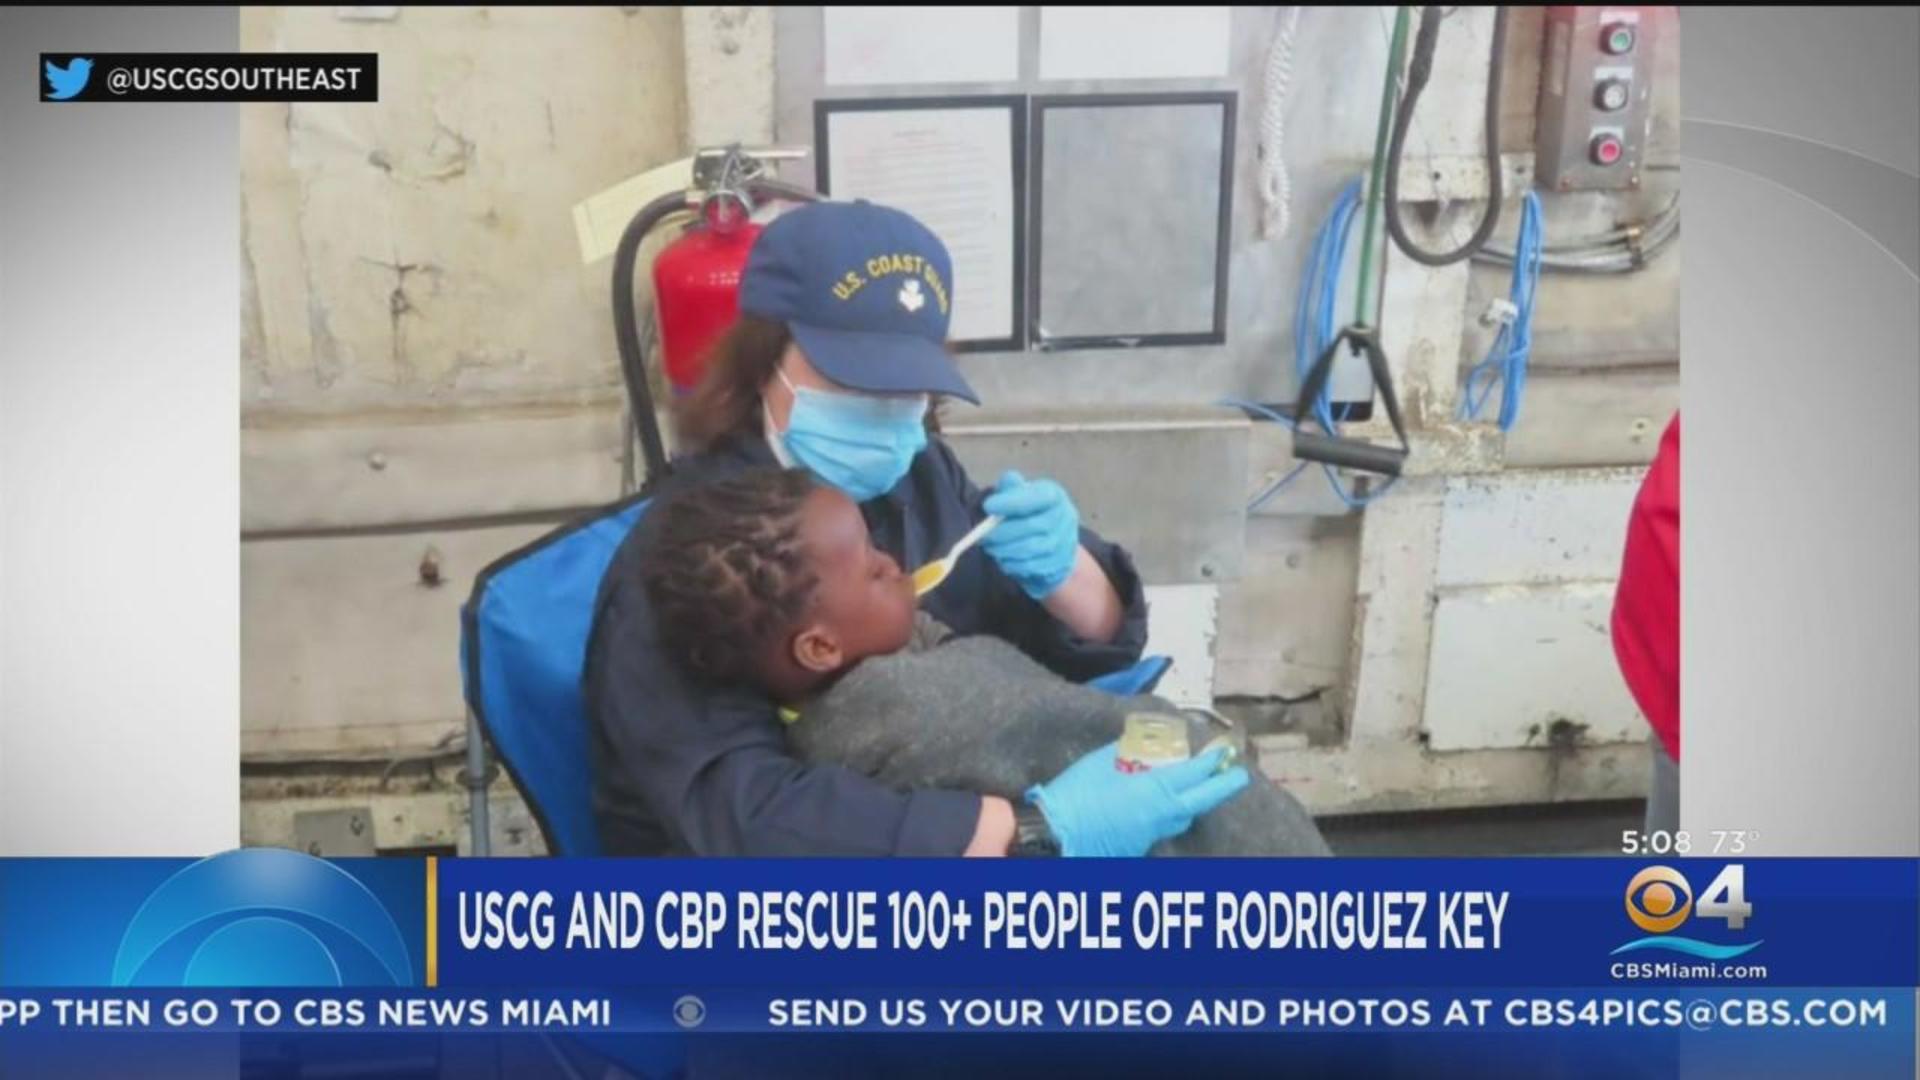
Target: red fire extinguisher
(696,287)
(696,278)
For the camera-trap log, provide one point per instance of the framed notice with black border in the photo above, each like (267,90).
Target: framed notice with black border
(1132,203)
(959,164)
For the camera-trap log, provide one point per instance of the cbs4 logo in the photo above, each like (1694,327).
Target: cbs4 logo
(1659,899)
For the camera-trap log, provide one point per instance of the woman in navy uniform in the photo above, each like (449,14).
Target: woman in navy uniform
(832,367)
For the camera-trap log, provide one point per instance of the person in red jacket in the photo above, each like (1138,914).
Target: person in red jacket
(1646,621)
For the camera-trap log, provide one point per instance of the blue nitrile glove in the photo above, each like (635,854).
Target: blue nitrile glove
(1095,809)
(1040,539)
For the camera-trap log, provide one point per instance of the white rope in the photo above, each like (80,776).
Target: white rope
(1276,187)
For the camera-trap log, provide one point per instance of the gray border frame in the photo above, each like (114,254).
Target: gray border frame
(1228,100)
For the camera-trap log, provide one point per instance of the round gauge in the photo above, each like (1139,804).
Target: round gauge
(1611,95)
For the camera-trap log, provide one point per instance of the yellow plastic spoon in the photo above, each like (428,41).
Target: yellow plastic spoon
(928,578)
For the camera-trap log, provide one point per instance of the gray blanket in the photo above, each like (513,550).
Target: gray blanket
(976,714)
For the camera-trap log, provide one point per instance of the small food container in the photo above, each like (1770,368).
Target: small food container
(1151,740)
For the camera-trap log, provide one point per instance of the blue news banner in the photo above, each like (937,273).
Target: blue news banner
(1786,962)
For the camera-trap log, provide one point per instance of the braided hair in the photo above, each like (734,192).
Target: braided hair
(726,570)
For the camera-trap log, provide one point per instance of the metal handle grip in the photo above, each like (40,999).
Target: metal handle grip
(1349,453)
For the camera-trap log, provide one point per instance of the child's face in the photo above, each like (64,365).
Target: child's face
(864,604)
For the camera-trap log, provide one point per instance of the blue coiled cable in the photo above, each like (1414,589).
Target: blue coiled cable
(1506,360)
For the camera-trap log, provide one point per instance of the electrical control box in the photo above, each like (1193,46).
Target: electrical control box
(1596,93)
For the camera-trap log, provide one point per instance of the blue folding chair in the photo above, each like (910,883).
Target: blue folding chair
(1141,678)
(523,646)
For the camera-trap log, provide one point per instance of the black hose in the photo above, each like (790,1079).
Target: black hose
(626,329)
(1419,69)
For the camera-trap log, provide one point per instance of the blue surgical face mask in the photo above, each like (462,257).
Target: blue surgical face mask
(859,443)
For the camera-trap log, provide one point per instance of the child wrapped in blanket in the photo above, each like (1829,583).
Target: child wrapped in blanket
(769,579)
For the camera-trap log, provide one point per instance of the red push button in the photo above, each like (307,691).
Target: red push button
(1605,149)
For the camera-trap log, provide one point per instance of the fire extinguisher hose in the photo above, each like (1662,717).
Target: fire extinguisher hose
(626,328)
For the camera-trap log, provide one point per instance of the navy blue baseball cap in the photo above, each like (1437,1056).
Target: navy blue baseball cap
(867,292)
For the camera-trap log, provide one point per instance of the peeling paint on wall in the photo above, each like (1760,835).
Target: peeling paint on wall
(413,295)
(419,251)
